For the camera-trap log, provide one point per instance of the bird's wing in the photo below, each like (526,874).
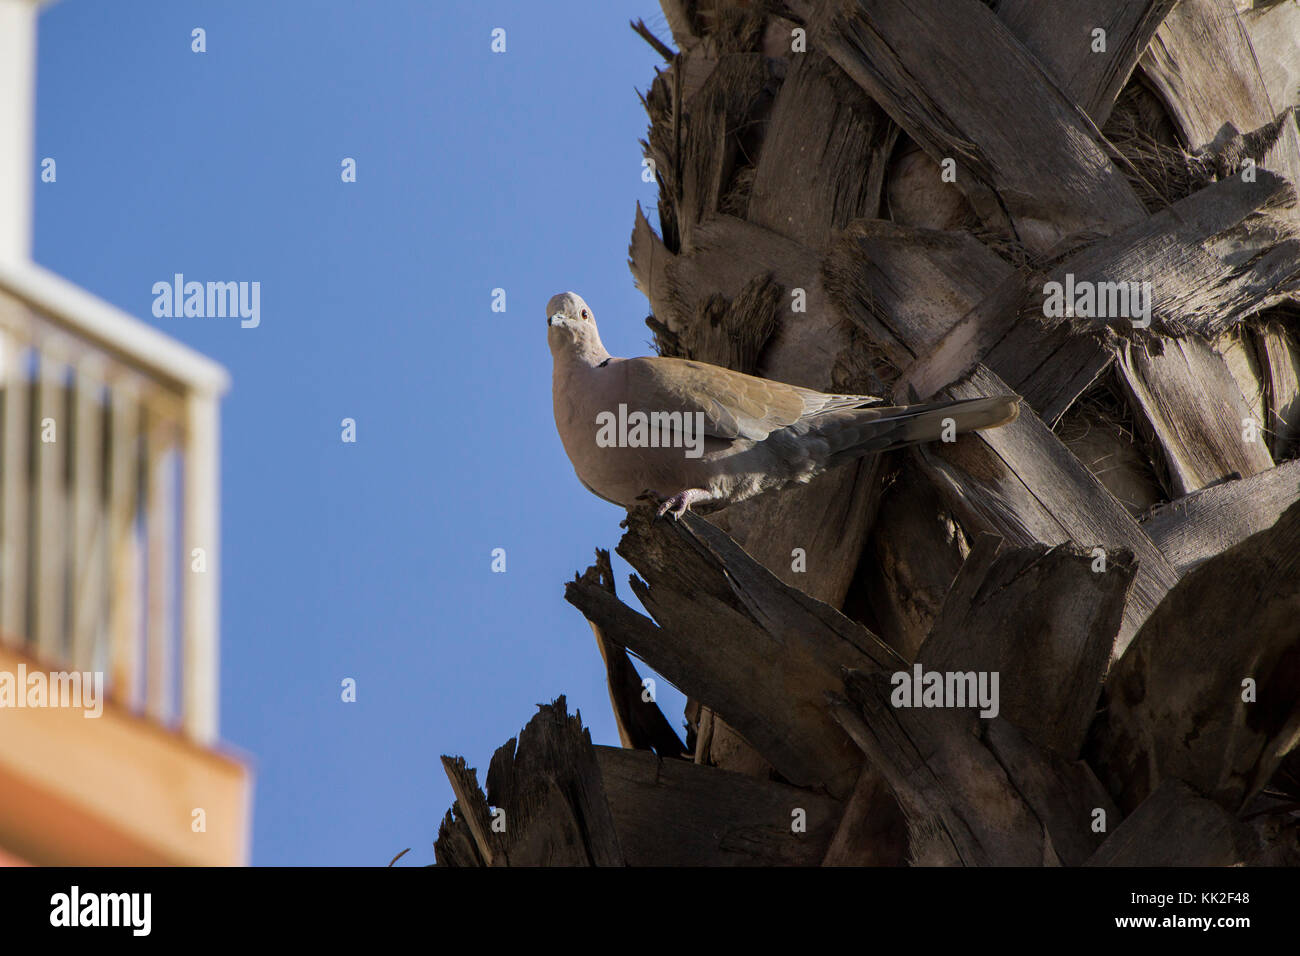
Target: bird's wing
(734,405)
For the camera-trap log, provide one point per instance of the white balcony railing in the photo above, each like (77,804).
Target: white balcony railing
(109,551)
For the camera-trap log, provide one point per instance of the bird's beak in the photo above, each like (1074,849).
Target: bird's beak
(551,320)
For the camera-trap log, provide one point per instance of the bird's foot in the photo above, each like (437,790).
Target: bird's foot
(678,504)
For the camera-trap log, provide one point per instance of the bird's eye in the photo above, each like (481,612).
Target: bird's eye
(586,314)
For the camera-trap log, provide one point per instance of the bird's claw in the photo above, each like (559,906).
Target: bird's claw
(676,506)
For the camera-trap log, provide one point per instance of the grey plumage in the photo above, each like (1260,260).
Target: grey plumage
(754,435)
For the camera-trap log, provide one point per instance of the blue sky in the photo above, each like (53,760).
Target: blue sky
(475,171)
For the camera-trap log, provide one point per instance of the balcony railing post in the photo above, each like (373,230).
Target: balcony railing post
(160,542)
(123,546)
(201,587)
(48,445)
(14,499)
(89,516)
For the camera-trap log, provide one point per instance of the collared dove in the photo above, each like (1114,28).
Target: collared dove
(693,435)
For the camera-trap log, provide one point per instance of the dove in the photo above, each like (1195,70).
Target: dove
(692,436)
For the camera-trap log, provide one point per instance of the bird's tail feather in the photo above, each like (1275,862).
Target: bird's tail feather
(874,430)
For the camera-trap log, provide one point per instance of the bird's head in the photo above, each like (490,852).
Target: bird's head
(571,328)
(568,307)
